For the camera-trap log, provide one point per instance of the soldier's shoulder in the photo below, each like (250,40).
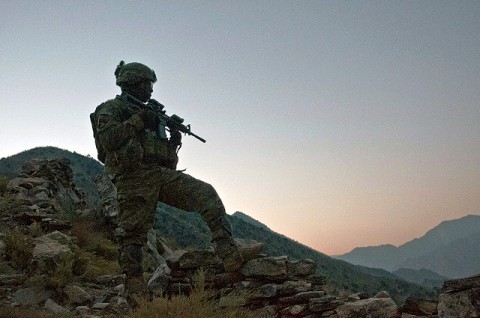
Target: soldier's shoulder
(109,105)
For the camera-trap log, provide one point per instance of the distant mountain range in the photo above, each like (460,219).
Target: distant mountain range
(451,249)
(182,229)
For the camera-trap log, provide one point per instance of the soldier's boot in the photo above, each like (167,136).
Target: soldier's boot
(225,245)
(130,260)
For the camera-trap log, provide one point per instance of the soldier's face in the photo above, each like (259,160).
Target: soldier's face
(145,90)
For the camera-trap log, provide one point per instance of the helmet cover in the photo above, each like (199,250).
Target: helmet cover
(133,73)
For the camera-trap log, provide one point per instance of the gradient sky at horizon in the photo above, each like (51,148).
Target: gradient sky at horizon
(336,123)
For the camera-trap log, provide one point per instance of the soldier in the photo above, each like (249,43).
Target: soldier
(132,143)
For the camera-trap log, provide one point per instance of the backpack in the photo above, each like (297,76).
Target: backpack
(101,153)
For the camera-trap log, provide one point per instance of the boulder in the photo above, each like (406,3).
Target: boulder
(455,285)
(100,306)
(382,294)
(269,311)
(264,291)
(158,283)
(293,311)
(192,259)
(77,295)
(353,297)
(460,304)
(47,253)
(269,268)
(249,249)
(25,183)
(317,281)
(368,308)
(30,296)
(110,280)
(303,297)
(232,300)
(59,237)
(56,308)
(323,304)
(419,307)
(291,287)
(302,268)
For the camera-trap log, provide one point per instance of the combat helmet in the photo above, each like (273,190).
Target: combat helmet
(133,73)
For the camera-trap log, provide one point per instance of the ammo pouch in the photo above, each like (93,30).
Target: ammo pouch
(129,155)
(159,151)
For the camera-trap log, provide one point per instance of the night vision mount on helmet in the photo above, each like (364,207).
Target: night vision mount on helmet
(133,73)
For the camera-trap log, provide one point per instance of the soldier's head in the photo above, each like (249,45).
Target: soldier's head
(136,79)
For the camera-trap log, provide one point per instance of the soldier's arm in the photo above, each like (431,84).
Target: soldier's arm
(113,133)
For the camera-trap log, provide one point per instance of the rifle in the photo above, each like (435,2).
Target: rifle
(173,122)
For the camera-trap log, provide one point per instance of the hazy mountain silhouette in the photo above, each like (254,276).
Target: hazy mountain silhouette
(423,277)
(451,249)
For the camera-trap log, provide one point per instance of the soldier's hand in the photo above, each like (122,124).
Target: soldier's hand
(149,118)
(175,137)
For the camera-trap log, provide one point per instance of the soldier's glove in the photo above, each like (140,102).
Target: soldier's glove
(175,137)
(149,118)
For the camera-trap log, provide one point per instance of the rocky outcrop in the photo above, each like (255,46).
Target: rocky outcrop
(269,286)
(414,307)
(460,298)
(43,190)
(44,196)
(108,201)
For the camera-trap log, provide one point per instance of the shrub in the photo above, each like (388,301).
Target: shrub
(36,229)
(95,255)
(5,268)
(10,312)
(99,267)
(18,248)
(199,304)
(196,305)
(3,184)
(62,274)
(93,240)
(89,265)
(7,203)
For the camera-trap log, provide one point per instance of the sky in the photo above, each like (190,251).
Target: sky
(336,123)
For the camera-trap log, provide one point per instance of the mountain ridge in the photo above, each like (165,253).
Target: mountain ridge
(437,250)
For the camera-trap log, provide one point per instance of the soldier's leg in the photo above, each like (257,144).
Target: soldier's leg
(187,193)
(136,208)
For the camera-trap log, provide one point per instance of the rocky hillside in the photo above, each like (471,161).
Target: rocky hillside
(186,230)
(57,260)
(451,249)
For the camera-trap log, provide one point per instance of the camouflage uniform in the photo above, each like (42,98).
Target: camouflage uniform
(143,169)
